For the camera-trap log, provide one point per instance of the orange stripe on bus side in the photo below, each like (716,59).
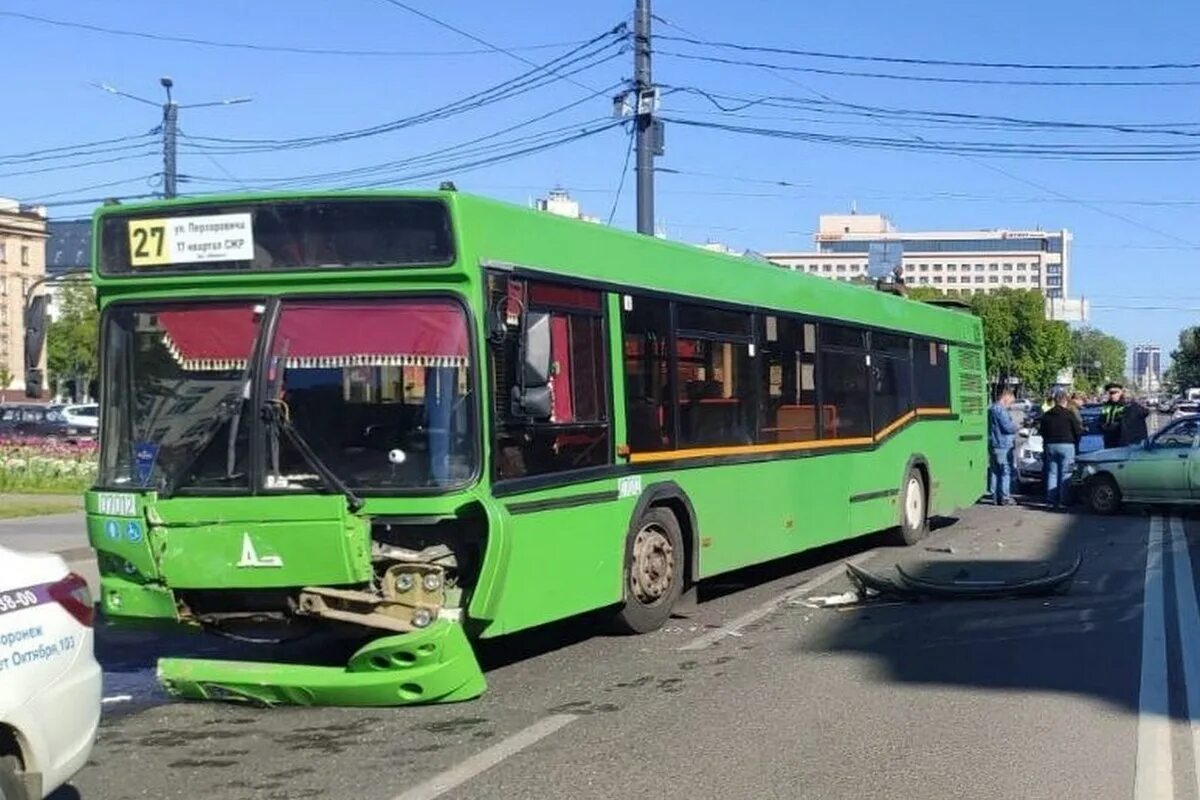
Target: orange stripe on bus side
(894,425)
(745,449)
(784,447)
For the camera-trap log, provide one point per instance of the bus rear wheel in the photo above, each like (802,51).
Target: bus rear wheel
(914,508)
(654,567)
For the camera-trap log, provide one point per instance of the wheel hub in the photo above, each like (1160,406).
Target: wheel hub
(653,564)
(914,503)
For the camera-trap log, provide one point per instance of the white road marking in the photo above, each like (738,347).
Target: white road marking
(1153,779)
(486,759)
(1189,632)
(732,628)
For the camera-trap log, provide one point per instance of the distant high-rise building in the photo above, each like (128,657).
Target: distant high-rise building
(1147,367)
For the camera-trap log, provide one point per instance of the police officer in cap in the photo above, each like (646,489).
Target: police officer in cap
(1122,422)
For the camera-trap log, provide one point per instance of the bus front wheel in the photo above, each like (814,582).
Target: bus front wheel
(654,567)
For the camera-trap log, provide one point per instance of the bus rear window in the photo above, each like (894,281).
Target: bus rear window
(278,235)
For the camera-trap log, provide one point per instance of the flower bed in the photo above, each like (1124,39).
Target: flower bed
(35,465)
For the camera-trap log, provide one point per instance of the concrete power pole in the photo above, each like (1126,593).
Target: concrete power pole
(649,141)
(169,132)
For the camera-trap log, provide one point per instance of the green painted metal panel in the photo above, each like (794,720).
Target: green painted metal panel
(265,554)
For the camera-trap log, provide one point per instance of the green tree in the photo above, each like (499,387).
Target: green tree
(1019,341)
(1098,357)
(6,377)
(1185,360)
(922,293)
(72,339)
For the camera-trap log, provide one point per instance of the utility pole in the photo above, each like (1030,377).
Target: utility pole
(170,125)
(649,135)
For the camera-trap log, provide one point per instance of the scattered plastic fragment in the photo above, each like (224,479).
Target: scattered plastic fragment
(939,549)
(829,601)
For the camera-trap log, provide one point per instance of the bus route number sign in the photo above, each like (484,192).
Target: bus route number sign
(188,240)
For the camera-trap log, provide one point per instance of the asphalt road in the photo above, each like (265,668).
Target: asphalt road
(753,696)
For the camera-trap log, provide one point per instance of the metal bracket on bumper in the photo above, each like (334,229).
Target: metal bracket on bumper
(432,665)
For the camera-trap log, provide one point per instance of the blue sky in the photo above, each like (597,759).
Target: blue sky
(1134,256)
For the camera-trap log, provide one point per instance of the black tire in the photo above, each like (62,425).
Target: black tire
(1103,495)
(653,574)
(11,785)
(914,508)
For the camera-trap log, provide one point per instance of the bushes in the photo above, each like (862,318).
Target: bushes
(35,465)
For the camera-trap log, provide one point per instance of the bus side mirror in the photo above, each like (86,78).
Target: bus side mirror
(531,395)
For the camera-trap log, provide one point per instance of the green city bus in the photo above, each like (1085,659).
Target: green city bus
(417,419)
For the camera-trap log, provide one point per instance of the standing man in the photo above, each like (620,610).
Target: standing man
(1111,413)
(1061,431)
(1001,430)
(1133,423)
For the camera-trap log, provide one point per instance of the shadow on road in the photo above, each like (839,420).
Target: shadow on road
(1086,641)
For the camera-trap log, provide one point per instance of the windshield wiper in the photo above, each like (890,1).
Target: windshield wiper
(275,414)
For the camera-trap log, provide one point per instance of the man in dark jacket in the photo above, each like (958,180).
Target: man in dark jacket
(1061,430)
(1133,424)
(1110,415)
(1122,422)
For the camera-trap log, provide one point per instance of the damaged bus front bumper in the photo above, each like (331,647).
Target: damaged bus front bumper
(431,665)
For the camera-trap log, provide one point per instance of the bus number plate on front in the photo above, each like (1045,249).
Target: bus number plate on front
(188,240)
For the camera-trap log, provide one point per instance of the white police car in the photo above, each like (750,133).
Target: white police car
(49,678)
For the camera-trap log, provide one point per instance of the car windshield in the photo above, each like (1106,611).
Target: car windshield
(379,389)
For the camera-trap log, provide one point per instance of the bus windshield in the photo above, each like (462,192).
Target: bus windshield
(379,390)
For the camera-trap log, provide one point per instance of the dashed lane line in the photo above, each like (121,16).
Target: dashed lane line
(486,759)
(732,627)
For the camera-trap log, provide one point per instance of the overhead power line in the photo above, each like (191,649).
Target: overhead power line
(68,150)
(1055,151)
(935,62)
(479,40)
(585,57)
(994,167)
(92,163)
(267,48)
(893,76)
(731,104)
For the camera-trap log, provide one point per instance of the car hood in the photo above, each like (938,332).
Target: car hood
(1107,454)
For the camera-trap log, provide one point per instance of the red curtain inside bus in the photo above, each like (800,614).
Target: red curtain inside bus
(322,334)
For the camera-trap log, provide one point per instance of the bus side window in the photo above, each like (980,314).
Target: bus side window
(891,374)
(931,373)
(844,382)
(576,434)
(715,391)
(787,389)
(645,336)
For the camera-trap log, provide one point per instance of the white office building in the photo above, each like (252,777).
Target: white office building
(955,262)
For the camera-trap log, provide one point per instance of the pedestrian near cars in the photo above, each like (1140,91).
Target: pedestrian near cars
(1061,431)
(1001,436)
(1133,424)
(1111,413)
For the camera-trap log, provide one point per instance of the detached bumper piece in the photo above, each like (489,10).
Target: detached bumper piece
(433,665)
(956,581)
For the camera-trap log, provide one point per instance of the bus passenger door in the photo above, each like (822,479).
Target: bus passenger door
(551,430)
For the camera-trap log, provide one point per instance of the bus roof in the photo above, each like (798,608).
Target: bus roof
(497,233)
